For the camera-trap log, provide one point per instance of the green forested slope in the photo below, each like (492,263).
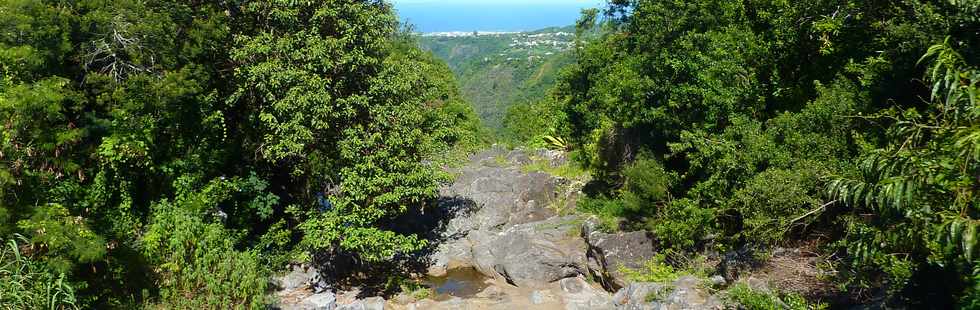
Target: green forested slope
(495,74)
(723,125)
(172,152)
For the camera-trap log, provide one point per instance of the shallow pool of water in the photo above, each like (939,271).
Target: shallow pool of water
(462,283)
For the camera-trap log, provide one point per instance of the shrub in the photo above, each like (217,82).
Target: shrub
(772,200)
(655,270)
(682,223)
(197,266)
(569,170)
(645,186)
(753,299)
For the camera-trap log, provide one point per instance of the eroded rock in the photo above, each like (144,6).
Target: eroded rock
(608,253)
(299,276)
(531,254)
(372,303)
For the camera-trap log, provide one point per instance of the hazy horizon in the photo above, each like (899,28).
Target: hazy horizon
(486,15)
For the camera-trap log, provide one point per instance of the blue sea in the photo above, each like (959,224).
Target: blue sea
(460,15)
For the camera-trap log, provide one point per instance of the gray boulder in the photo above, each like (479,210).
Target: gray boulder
(607,253)
(298,277)
(499,196)
(555,158)
(531,254)
(485,200)
(322,301)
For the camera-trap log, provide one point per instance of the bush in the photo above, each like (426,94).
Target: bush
(26,284)
(197,266)
(682,223)
(772,200)
(752,299)
(528,123)
(645,187)
(655,270)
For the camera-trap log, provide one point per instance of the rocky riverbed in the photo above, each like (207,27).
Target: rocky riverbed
(507,245)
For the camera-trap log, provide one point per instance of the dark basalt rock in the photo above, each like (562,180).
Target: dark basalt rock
(608,253)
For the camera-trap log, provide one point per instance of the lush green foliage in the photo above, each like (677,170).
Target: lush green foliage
(724,124)
(164,151)
(746,297)
(654,270)
(921,186)
(26,284)
(196,262)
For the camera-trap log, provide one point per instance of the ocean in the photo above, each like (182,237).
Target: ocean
(481,16)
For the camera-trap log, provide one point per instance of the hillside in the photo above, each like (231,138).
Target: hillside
(498,70)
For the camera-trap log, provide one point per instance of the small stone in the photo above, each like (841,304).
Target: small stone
(374,303)
(571,285)
(437,271)
(637,294)
(718,281)
(322,301)
(541,297)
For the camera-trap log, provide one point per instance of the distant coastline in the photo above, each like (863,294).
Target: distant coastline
(488,18)
(466,33)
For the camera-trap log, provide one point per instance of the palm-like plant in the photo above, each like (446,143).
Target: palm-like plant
(916,200)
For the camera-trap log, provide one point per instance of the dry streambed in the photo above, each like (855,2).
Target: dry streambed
(504,245)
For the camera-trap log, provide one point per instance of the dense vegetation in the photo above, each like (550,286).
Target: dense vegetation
(724,125)
(173,152)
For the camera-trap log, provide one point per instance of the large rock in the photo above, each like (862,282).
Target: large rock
(531,254)
(609,253)
(495,188)
(486,199)
(498,193)
(684,293)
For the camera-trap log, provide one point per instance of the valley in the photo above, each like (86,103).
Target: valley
(497,70)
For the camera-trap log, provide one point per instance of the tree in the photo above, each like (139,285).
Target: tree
(264,128)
